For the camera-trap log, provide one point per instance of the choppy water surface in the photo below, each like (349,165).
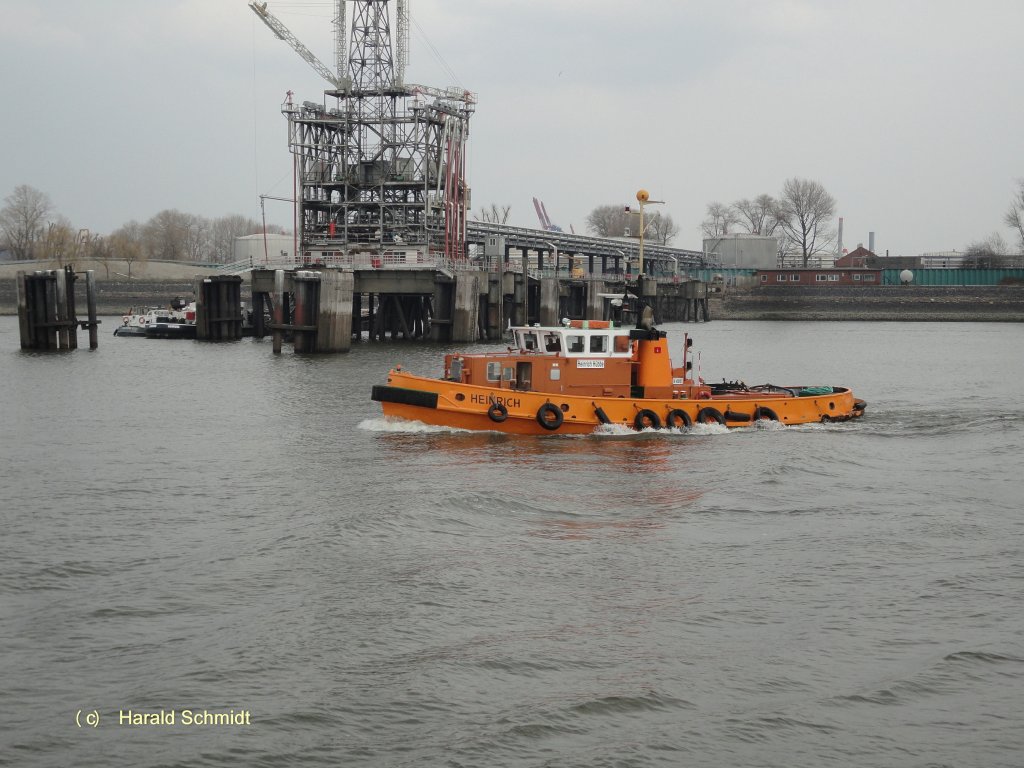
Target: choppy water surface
(190,526)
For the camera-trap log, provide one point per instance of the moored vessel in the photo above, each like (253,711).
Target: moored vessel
(581,375)
(176,321)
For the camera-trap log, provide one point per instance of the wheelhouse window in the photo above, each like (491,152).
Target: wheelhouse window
(552,342)
(528,341)
(575,344)
(622,344)
(493,371)
(599,344)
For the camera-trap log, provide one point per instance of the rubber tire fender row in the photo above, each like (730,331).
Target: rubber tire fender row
(550,416)
(497,412)
(710,415)
(646,418)
(678,418)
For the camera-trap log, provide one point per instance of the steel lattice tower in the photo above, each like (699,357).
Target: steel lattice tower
(380,165)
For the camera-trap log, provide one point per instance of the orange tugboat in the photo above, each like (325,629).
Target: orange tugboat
(578,376)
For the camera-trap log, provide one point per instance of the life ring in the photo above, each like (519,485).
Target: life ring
(678,418)
(497,412)
(764,413)
(142,321)
(710,415)
(124,320)
(550,416)
(646,418)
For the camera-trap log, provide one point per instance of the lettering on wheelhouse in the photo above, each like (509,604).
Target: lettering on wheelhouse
(508,402)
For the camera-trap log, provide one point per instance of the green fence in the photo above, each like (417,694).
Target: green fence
(954,276)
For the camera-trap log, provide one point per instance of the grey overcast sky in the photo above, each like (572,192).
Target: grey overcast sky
(910,112)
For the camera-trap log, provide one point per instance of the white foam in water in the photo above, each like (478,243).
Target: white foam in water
(403,426)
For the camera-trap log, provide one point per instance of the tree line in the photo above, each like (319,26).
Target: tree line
(624,221)
(801,219)
(32,228)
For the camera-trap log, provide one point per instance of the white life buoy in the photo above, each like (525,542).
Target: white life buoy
(142,321)
(124,320)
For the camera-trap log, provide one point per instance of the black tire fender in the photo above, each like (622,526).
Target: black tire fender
(710,415)
(765,413)
(497,412)
(550,416)
(677,417)
(645,418)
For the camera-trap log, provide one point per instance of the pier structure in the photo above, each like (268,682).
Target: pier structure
(47,314)
(326,309)
(379,164)
(380,193)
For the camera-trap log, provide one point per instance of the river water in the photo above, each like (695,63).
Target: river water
(190,527)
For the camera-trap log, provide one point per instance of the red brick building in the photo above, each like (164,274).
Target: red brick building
(819,277)
(859,258)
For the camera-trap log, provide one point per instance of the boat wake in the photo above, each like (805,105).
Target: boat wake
(402,426)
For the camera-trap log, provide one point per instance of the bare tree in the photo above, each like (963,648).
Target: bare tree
(1014,217)
(609,221)
(720,219)
(660,228)
(494,214)
(197,238)
(987,253)
(165,236)
(760,216)
(126,244)
(60,242)
(224,231)
(807,210)
(97,249)
(23,220)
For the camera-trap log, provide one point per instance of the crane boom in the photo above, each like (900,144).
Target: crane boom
(282,32)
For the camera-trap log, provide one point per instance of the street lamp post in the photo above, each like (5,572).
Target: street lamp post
(644,198)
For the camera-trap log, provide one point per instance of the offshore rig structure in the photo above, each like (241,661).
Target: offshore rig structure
(379,163)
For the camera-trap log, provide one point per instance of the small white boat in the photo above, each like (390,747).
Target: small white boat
(176,321)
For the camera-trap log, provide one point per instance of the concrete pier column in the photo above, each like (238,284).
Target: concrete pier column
(549,301)
(595,301)
(465,307)
(334,332)
(495,306)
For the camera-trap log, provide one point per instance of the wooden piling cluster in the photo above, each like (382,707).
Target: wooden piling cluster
(47,316)
(685,301)
(218,308)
